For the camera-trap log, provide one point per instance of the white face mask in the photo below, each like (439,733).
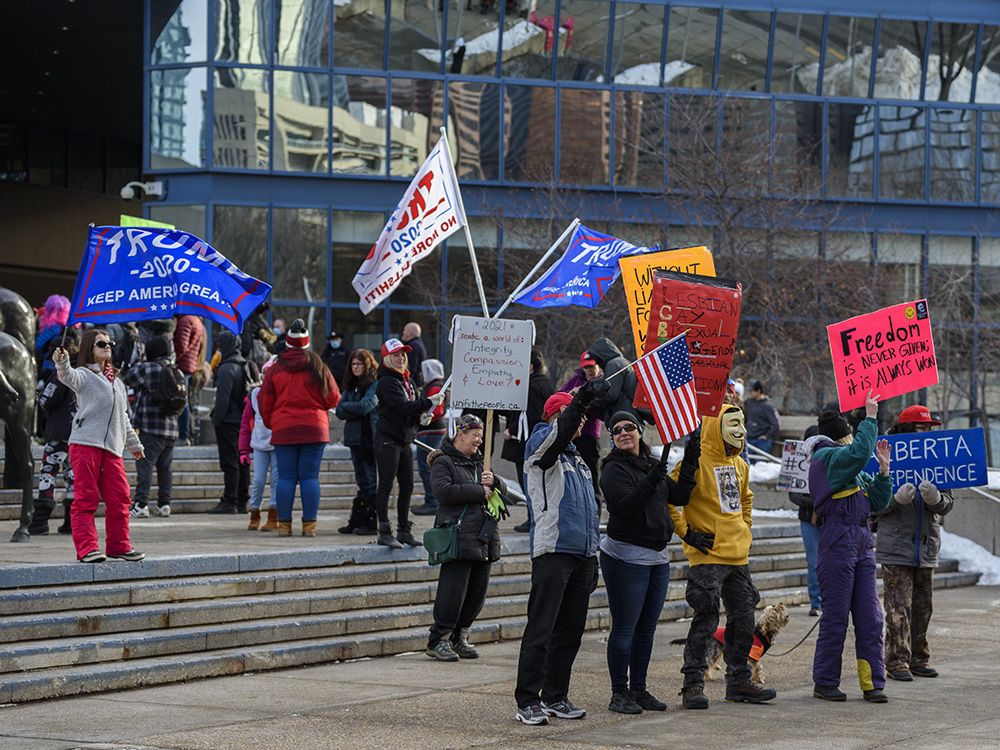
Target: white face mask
(733,429)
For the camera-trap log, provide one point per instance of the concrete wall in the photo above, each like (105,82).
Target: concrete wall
(977,518)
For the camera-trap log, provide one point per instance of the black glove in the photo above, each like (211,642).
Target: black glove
(699,540)
(659,470)
(692,451)
(593,389)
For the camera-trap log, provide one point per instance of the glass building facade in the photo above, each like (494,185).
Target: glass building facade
(287,129)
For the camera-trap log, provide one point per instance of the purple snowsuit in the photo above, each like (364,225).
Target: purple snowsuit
(844,497)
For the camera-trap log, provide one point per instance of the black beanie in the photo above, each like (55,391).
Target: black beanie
(158,347)
(621,416)
(833,425)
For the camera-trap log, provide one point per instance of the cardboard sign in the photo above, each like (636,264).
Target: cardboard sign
(708,310)
(947,458)
(490,360)
(889,351)
(637,276)
(794,474)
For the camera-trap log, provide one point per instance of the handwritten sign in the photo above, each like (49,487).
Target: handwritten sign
(490,360)
(637,276)
(890,351)
(948,458)
(708,310)
(794,474)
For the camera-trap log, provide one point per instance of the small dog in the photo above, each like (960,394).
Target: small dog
(772,620)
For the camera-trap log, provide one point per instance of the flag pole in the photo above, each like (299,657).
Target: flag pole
(465,222)
(524,282)
(632,364)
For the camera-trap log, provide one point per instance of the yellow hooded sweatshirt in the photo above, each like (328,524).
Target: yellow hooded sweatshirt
(721,502)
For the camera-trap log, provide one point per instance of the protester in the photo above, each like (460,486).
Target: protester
(189,342)
(101,433)
(417,353)
(156,381)
(810,537)
(58,403)
(255,443)
(358,408)
(589,442)
(763,422)
(564,545)
(51,322)
(432,432)
(294,400)
(622,387)
(634,557)
(464,493)
(715,529)
(399,410)
(907,547)
(734,393)
(231,387)
(844,497)
(334,356)
(278,330)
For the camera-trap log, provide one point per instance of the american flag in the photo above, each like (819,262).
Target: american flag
(666,375)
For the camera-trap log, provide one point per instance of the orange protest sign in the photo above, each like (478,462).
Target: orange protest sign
(637,276)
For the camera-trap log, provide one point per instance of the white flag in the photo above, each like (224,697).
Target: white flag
(429,213)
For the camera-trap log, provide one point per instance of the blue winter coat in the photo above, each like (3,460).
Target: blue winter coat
(355,406)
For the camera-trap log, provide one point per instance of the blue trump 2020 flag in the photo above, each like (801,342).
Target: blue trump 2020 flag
(584,272)
(140,273)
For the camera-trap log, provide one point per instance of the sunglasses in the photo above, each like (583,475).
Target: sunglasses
(102,344)
(627,427)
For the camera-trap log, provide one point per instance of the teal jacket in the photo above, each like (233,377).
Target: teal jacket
(836,468)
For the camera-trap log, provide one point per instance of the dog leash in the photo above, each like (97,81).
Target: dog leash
(803,640)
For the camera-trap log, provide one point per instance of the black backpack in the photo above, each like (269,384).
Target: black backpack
(171,396)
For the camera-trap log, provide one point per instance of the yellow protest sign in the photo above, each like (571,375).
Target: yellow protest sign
(637,275)
(124,220)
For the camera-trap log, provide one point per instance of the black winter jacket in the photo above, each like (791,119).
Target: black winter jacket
(455,481)
(623,387)
(637,505)
(59,404)
(399,407)
(230,382)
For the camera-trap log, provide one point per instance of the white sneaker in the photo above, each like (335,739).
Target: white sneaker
(163,511)
(137,511)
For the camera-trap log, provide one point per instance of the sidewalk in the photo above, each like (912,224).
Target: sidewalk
(411,702)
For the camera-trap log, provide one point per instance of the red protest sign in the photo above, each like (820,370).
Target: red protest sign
(708,310)
(889,351)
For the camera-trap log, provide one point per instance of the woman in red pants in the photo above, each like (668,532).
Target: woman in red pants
(101,433)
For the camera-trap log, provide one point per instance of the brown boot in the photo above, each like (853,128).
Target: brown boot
(284,528)
(254,520)
(271,524)
(308,528)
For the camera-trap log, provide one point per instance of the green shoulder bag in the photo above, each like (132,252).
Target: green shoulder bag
(441,541)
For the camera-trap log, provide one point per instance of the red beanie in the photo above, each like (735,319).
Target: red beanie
(297,336)
(554,403)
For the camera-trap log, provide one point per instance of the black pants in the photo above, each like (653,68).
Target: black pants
(235,475)
(461,592)
(394,463)
(159,452)
(561,586)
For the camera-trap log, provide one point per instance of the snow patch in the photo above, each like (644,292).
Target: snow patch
(764,472)
(993,482)
(648,74)
(971,558)
(777,513)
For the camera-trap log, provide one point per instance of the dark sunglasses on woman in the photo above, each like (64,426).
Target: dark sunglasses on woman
(628,427)
(102,344)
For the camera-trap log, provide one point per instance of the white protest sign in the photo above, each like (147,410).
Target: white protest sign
(490,360)
(794,474)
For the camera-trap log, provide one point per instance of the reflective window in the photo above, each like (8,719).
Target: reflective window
(474,36)
(951,62)
(416,115)
(187,218)
(988,80)
(301,129)
(692,141)
(86,163)
(989,284)
(460,279)
(359,331)
(900,59)
(299,253)
(635,53)
(530,134)
(240,233)
(302,37)
(179,31)
(743,55)
(583,39)
(241,133)
(243,31)
(314,317)
(798,149)
(850,166)
(901,152)
(990,153)
(584,142)
(353,235)
(359,122)
(415,35)
(690,48)
(848,58)
(798,39)
(950,288)
(953,157)
(177,118)
(474,128)
(639,131)
(899,269)
(746,145)
(529,44)
(359,35)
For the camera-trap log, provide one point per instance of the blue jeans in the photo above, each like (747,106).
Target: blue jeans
(810,540)
(364,474)
(298,465)
(434,441)
(636,594)
(262,461)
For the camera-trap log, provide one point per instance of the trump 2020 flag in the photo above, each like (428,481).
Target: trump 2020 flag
(666,375)
(141,273)
(584,272)
(429,212)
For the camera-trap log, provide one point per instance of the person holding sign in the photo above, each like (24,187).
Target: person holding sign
(907,546)
(844,497)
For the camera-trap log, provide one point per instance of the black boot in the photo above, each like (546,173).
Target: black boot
(405,535)
(352,522)
(693,696)
(385,537)
(39,524)
(749,692)
(367,519)
(67,526)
